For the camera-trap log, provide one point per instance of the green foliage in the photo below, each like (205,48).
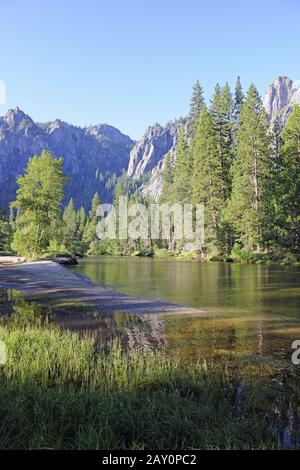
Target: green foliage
(289,188)
(221,111)
(168,178)
(38,205)
(196,105)
(183,170)
(89,233)
(70,226)
(239,99)
(250,206)
(209,187)
(5,232)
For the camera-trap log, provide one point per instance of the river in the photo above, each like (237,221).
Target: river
(252,311)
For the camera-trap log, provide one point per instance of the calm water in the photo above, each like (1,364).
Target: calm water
(248,310)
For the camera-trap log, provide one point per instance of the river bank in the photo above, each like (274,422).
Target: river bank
(283,258)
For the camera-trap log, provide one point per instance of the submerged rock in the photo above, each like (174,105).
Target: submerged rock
(65,261)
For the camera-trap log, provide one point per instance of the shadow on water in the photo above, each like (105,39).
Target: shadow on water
(134,331)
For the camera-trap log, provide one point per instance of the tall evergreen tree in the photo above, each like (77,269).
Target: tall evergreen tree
(250,210)
(81,220)
(208,184)
(183,169)
(221,111)
(290,181)
(167,179)
(239,99)
(196,105)
(70,226)
(90,234)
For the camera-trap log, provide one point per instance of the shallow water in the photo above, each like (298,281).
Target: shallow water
(249,310)
(250,317)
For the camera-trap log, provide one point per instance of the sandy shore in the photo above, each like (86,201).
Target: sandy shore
(50,280)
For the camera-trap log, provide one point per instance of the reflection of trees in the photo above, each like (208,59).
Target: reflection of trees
(149,334)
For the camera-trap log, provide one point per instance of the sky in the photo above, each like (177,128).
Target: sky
(131,63)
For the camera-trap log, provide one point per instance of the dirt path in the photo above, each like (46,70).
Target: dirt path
(49,279)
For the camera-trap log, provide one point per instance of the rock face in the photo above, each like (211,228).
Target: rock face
(91,155)
(280,98)
(147,156)
(150,150)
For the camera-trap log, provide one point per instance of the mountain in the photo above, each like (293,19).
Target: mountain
(281,96)
(92,155)
(147,156)
(95,156)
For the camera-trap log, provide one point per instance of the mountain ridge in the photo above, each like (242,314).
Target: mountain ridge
(96,155)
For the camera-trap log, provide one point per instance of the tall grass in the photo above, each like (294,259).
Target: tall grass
(62,392)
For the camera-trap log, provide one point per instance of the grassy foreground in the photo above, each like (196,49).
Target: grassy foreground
(62,392)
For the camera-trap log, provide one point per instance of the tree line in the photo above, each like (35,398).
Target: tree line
(246,172)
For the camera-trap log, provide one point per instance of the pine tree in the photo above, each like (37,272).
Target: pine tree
(167,179)
(290,182)
(239,99)
(89,234)
(249,208)
(221,111)
(207,182)
(70,227)
(81,220)
(197,101)
(196,105)
(183,170)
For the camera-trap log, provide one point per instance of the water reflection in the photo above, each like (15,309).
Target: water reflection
(261,345)
(261,339)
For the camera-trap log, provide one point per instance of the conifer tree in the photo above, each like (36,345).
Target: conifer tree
(207,183)
(221,111)
(290,181)
(90,234)
(196,105)
(250,205)
(238,100)
(70,227)
(167,179)
(81,220)
(197,101)
(183,169)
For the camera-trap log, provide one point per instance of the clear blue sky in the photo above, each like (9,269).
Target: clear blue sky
(132,63)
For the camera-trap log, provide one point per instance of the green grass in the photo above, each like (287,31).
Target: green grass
(61,392)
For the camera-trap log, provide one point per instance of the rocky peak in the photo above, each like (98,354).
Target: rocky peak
(16,119)
(55,125)
(151,149)
(100,131)
(86,158)
(281,95)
